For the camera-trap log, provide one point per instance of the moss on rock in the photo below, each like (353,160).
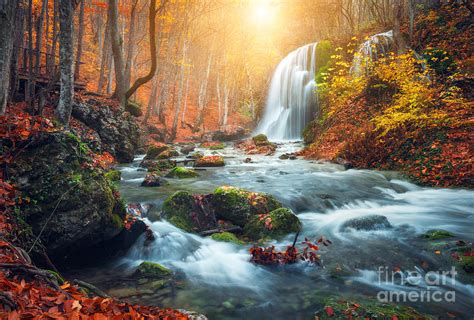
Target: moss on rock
(275,224)
(153,270)
(226,237)
(238,205)
(210,161)
(260,140)
(437,234)
(154,151)
(182,173)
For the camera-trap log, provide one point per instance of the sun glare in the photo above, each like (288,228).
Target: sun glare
(264,11)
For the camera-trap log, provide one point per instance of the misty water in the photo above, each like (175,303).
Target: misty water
(217,279)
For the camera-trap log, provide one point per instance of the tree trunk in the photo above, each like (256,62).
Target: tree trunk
(202,98)
(120,89)
(174,128)
(39,36)
(66,52)
(51,60)
(104,58)
(131,45)
(7,19)
(30,87)
(152,29)
(79,40)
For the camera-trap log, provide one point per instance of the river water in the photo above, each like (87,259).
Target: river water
(218,280)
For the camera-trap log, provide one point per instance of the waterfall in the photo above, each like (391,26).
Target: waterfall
(292,98)
(372,49)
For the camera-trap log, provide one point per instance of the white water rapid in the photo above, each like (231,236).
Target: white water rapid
(292,100)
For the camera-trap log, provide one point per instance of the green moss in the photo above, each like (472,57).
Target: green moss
(176,210)
(117,220)
(232,204)
(324,50)
(161,165)
(113,175)
(182,173)
(196,155)
(275,224)
(154,151)
(166,154)
(134,108)
(213,146)
(260,140)
(437,234)
(153,270)
(210,161)
(226,237)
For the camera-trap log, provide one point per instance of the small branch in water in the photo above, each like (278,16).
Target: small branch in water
(231,229)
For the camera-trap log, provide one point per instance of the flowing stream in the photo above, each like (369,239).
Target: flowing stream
(218,280)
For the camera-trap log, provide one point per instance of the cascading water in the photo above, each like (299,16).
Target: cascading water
(371,50)
(292,100)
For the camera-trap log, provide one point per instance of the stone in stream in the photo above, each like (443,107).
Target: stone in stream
(188,212)
(234,207)
(238,205)
(160,151)
(182,173)
(367,223)
(274,224)
(153,179)
(188,149)
(152,270)
(210,161)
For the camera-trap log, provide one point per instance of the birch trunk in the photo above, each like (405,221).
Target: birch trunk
(66,52)
(7,18)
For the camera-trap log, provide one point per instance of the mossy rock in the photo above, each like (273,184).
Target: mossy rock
(226,237)
(196,155)
(182,210)
(466,260)
(160,165)
(260,140)
(113,175)
(134,108)
(182,173)
(275,224)
(153,270)
(166,154)
(154,151)
(210,161)
(232,204)
(437,234)
(238,205)
(213,145)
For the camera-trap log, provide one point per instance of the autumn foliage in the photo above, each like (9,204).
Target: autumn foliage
(270,256)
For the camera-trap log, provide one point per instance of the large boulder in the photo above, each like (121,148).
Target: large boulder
(274,224)
(238,205)
(118,130)
(188,212)
(153,179)
(367,223)
(209,161)
(182,173)
(71,205)
(228,133)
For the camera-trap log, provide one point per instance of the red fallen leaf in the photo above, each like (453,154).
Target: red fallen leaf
(451,315)
(329,311)
(469,254)
(394,318)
